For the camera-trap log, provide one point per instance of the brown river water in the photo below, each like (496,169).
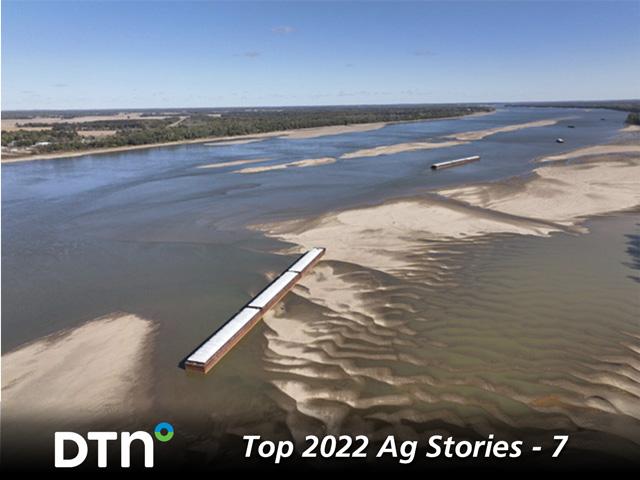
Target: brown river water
(519,336)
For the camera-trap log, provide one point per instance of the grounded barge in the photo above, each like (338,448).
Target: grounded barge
(223,340)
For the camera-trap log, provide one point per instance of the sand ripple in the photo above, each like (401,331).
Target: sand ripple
(434,314)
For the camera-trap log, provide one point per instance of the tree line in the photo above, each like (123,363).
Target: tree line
(64,136)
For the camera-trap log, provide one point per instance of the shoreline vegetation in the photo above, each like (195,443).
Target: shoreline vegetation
(48,135)
(631,106)
(558,196)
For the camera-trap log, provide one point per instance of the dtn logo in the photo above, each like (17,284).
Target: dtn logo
(163,433)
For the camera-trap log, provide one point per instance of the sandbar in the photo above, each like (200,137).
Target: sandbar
(596,150)
(84,373)
(452,140)
(556,197)
(399,148)
(480,134)
(214,141)
(234,163)
(311,162)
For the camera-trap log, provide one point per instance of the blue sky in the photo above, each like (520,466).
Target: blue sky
(123,54)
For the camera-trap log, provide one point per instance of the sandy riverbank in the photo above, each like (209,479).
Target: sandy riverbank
(296,134)
(104,151)
(233,142)
(303,133)
(86,373)
(211,142)
(333,130)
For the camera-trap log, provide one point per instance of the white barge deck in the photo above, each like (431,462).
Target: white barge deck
(226,337)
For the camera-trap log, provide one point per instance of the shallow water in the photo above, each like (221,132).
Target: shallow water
(507,334)
(145,217)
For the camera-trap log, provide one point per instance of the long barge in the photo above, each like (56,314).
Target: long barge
(209,353)
(455,163)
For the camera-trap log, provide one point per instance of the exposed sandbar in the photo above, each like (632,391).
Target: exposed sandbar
(234,163)
(553,198)
(311,162)
(563,194)
(381,236)
(399,148)
(480,134)
(597,150)
(453,140)
(215,141)
(85,373)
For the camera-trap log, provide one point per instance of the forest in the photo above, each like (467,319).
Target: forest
(181,125)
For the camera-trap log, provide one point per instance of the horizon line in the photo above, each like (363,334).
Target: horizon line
(135,109)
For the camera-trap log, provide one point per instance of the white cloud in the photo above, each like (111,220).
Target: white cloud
(283,30)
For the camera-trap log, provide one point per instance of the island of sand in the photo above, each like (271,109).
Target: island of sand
(89,373)
(556,197)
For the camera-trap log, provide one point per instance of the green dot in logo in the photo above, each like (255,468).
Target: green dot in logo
(163,431)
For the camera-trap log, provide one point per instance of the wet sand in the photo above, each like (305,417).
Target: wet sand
(92,372)
(455,318)
(553,198)
(383,237)
(387,327)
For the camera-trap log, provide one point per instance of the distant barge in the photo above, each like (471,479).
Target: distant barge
(455,163)
(226,337)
